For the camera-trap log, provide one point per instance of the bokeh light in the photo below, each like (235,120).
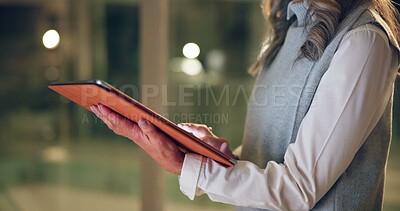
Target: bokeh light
(191,67)
(215,60)
(51,39)
(55,154)
(191,50)
(52,73)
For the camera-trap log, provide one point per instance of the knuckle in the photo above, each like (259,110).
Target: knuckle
(207,138)
(150,129)
(201,125)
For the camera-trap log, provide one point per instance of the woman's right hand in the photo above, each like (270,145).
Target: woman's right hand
(154,142)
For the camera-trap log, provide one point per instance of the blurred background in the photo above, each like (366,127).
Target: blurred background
(55,155)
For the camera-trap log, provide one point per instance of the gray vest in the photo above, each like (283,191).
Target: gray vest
(281,98)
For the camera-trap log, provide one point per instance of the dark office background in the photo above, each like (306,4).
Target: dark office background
(56,156)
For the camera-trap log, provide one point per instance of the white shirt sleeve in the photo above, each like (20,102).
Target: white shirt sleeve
(349,101)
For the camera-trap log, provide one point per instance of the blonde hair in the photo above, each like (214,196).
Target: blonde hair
(328,14)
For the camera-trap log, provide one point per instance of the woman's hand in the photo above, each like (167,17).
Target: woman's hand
(204,133)
(162,149)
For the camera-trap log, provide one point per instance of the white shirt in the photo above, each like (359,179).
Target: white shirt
(349,101)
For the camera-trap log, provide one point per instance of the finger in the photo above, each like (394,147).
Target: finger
(93,108)
(99,114)
(150,130)
(114,121)
(198,130)
(157,139)
(119,124)
(214,142)
(196,125)
(220,144)
(225,149)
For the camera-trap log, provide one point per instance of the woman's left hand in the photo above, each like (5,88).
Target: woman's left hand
(204,133)
(155,143)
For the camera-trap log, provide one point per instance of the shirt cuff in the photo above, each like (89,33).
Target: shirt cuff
(190,174)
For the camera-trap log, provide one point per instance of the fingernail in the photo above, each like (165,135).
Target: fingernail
(143,123)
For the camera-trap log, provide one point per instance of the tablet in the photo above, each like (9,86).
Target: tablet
(94,92)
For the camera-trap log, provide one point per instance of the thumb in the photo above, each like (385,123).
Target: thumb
(198,130)
(149,129)
(214,142)
(225,149)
